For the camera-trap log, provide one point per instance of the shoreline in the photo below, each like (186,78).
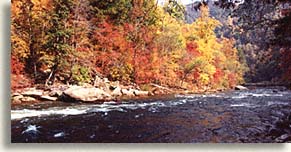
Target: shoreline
(39,100)
(39,94)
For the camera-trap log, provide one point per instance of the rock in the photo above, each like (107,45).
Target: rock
(28,99)
(115,84)
(32,92)
(55,93)
(158,90)
(141,93)
(18,101)
(283,138)
(16,94)
(77,93)
(239,87)
(116,92)
(61,134)
(275,91)
(105,80)
(127,92)
(17,97)
(31,129)
(49,98)
(98,81)
(87,85)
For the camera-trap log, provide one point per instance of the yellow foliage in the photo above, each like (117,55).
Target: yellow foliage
(171,45)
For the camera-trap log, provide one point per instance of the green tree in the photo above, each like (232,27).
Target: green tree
(59,51)
(175,9)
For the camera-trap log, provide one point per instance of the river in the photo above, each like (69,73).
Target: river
(259,115)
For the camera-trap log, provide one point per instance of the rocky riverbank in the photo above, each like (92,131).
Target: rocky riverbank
(102,90)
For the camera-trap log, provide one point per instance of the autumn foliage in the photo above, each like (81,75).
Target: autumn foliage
(128,41)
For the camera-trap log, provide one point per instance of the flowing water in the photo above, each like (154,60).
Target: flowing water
(258,115)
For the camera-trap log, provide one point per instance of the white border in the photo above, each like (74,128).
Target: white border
(5,118)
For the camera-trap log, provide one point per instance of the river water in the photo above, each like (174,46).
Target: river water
(257,115)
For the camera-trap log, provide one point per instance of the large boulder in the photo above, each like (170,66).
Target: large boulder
(239,87)
(77,93)
(57,90)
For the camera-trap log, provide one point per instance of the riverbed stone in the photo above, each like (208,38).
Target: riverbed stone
(28,99)
(17,99)
(127,92)
(158,91)
(49,98)
(239,87)
(55,93)
(141,93)
(116,92)
(78,93)
(33,92)
(283,138)
(16,94)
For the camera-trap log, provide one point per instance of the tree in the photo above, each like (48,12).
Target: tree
(171,45)
(202,33)
(175,9)
(114,53)
(29,23)
(59,51)
(83,59)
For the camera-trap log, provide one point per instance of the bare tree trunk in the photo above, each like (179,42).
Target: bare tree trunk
(48,79)
(52,74)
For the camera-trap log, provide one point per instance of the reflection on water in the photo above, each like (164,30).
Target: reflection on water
(238,116)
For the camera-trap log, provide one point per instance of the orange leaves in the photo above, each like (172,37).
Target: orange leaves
(232,79)
(16,66)
(114,52)
(134,42)
(192,49)
(18,79)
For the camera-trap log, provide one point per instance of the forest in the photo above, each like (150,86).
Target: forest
(142,42)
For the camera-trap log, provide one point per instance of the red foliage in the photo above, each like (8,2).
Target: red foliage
(196,74)
(83,49)
(112,46)
(18,79)
(232,79)
(192,49)
(16,66)
(143,65)
(217,75)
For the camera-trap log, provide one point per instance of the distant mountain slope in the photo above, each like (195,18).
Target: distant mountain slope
(253,33)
